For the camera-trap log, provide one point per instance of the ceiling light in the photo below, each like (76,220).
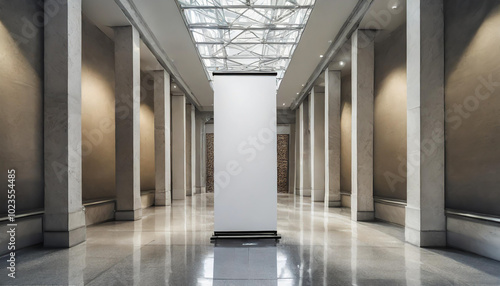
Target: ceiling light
(283,104)
(298,93)
(394,7)
(303,85)
(175,86)
(320,56)
(341,63)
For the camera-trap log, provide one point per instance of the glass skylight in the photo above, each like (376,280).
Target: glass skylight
(246,35)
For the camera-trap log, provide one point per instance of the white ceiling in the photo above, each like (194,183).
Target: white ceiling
(325,22)
(165,21)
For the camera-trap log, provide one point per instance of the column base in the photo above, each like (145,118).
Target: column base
(179,194)
(197,190)
(306,192)
(362,216)
(64,239)
(203,190)
(318,195)
(128,215)
(334,204)
(425,238)
(162,199)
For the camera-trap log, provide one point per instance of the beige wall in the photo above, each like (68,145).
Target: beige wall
(147,132)
(389,135)
(21,104)
(472,105)
(345,135)
(98,114)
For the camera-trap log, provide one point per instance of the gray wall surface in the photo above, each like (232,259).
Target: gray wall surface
(21,103)
(147,132)
(389,131)
(472,101)
(98,114)
(345,135)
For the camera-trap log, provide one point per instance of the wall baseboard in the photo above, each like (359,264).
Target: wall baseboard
(390,211)
(100,212)
(147,199)
(474,235)
(29,231)
(345,200)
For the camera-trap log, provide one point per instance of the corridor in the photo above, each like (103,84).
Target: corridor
(171,246)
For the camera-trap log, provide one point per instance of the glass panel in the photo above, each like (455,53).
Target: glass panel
(246,35)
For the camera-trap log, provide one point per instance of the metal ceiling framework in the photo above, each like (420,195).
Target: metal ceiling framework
(246,35)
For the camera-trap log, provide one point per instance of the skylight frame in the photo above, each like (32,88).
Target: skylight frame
(246,35)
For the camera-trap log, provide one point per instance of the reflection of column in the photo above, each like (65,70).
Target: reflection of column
(162,138)
(317,122)
(332,137)
(64,223)
(291,160)
(354,253)
(425,218)
(178,147)
(189,155)
(259,261)
(413,265)
(127,94)
(362,125)
(74,267)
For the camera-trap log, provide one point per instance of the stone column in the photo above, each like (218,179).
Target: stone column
(64,223)
(301,150)
(298,153)
(178,147)
(425,218)
(291,160)
(162,138)
(317,123)
(332,137)
(198,151)
(306,159)
(362,208)
(194,153)
(127,116)
(204,118)
(189,155)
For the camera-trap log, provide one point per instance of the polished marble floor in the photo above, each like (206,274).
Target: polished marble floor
(171,246)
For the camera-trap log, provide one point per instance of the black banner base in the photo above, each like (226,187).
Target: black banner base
(245,235)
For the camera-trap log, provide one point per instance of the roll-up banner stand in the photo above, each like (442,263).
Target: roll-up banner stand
(245,158)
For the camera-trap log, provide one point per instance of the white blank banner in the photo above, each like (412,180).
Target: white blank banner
(245,162)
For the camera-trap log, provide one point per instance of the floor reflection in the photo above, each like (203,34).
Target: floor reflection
(237,261)
(171,246)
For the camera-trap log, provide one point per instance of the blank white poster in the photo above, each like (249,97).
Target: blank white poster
(245,159)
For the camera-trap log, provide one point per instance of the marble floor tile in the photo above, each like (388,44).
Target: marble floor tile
(171,246)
